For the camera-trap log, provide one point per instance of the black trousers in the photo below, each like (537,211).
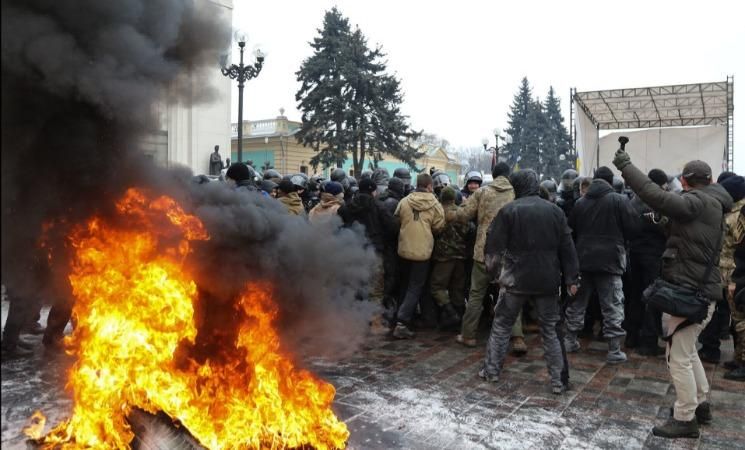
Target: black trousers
(711,335)
(21,313)
(643,323)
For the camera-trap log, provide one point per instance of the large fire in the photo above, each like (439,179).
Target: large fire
(135,323)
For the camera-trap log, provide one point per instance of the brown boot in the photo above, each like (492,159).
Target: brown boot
(518,346)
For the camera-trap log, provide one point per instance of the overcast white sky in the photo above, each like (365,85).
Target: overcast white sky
(460,62)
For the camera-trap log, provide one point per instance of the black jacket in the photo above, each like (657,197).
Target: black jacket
(380,225)
(650,237)
(529,245)
(565,200)
(696,225)
(602,222)
(390,200)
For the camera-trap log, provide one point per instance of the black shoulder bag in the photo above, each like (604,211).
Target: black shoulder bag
(681,301)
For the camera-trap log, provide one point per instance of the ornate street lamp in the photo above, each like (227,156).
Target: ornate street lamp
(242,73)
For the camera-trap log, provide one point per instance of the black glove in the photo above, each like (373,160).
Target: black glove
(621,159)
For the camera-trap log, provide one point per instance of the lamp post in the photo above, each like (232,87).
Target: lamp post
(498,156)
(242,73)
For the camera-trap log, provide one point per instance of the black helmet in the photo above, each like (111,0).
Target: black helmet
(268,186)
(567,179)
(314,183)
(569,174)
(270,174)
(300,181)
(253,175)
(549,185)
(474,175)
(380,176)
(338,175)
(403,174)
(366,174)
(618,185)
(440,180)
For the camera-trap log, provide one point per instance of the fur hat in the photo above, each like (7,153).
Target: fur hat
(238,172)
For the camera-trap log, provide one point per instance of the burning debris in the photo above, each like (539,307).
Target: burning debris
(189,300)
(139,344)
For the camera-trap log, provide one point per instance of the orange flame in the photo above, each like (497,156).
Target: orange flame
(35,428)
(134,304)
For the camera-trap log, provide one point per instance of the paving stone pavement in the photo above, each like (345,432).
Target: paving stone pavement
(425,394)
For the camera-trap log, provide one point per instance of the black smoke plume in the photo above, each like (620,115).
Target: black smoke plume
(80,80)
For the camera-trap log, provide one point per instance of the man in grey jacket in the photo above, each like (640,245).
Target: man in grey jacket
(696,218)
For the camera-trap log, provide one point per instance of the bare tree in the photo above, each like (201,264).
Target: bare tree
(475,157)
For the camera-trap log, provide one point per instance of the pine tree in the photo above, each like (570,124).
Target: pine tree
(557,138)
(521,106)
(320,97)
(531,155)
(349,103)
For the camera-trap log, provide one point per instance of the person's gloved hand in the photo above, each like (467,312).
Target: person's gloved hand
(621,160)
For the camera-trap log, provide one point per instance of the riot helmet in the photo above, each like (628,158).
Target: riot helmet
(271,174)
(440,180)
(474,176)
(300,181)
(618,185)
(567,179)
(403,174)
(338,174)
(366,174)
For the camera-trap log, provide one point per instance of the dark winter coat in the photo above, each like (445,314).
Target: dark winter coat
(565,200)
(696,225)
(650,237)
(451,242)
(602,222)
(380,226)
(529,244)
(390,200)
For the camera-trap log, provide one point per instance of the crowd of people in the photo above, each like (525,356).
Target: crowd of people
(554,256)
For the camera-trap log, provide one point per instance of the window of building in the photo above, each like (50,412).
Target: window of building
(304,169)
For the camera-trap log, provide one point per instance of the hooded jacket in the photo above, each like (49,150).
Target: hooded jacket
(483,205)
(293,203)
(327,207)
(696,225)
(380,226)
(602,222)
(529,245)
(421,217)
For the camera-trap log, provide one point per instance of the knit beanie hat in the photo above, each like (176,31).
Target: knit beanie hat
(604,173)
(447,195)
(735,187)
(333,188)
(286,186)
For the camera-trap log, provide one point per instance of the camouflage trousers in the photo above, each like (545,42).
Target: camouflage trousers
(738,328)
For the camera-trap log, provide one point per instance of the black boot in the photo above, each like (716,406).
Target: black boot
(703,414)
(449,317)
(677,429)
(13,351)
(737,374)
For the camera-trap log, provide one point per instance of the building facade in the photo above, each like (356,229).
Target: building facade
(189,133)
(272,143)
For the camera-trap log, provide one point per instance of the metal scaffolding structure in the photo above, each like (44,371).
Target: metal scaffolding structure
(661,106)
